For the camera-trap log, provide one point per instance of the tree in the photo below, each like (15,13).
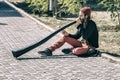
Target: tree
(114,7)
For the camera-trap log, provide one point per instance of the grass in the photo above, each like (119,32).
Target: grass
(109,34)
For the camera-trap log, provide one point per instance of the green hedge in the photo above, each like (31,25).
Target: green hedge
(63,6)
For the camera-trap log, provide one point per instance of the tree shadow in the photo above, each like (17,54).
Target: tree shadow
(8,11)
(3,24)
(25,6)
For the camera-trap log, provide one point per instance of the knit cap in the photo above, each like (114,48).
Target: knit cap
(86,10)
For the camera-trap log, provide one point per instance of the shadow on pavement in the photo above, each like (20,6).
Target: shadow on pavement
(49,57)
(7,11)
(3,24)
(55,57)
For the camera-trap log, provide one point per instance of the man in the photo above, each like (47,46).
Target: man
(87,30)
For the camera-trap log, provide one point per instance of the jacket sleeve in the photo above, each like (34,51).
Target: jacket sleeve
(77,35)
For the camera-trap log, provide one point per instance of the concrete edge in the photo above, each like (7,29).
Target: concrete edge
(115,59)
(51,29)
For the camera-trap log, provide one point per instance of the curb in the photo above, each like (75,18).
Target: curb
(110,58)
(51,29)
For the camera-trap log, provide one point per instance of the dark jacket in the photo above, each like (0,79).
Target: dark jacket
(90,33)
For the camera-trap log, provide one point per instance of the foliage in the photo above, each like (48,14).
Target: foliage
(28,1)
(69,6)
(38,6)
(62,6)
(114,7)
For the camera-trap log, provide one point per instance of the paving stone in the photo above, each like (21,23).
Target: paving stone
(18,31)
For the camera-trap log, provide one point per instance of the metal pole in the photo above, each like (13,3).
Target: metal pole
(50,5)
(50,10)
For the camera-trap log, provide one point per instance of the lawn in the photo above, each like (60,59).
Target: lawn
(109,35)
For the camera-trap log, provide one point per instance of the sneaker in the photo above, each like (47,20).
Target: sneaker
(46,52)
(98,53)
(67,50)
(93,52)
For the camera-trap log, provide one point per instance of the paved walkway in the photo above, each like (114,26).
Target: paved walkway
(18,31)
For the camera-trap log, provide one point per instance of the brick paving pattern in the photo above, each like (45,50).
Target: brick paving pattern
(18,31)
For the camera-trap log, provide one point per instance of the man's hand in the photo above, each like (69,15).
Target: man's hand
(78,20)
(65,33)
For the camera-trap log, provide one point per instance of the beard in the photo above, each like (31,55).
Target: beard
(82,20)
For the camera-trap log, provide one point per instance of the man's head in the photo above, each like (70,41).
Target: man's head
(85,13)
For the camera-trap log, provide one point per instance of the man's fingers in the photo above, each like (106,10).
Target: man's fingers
(78,20)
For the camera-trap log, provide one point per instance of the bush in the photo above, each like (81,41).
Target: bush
(69,6)
(38,6)
(114,7)
(64,7)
